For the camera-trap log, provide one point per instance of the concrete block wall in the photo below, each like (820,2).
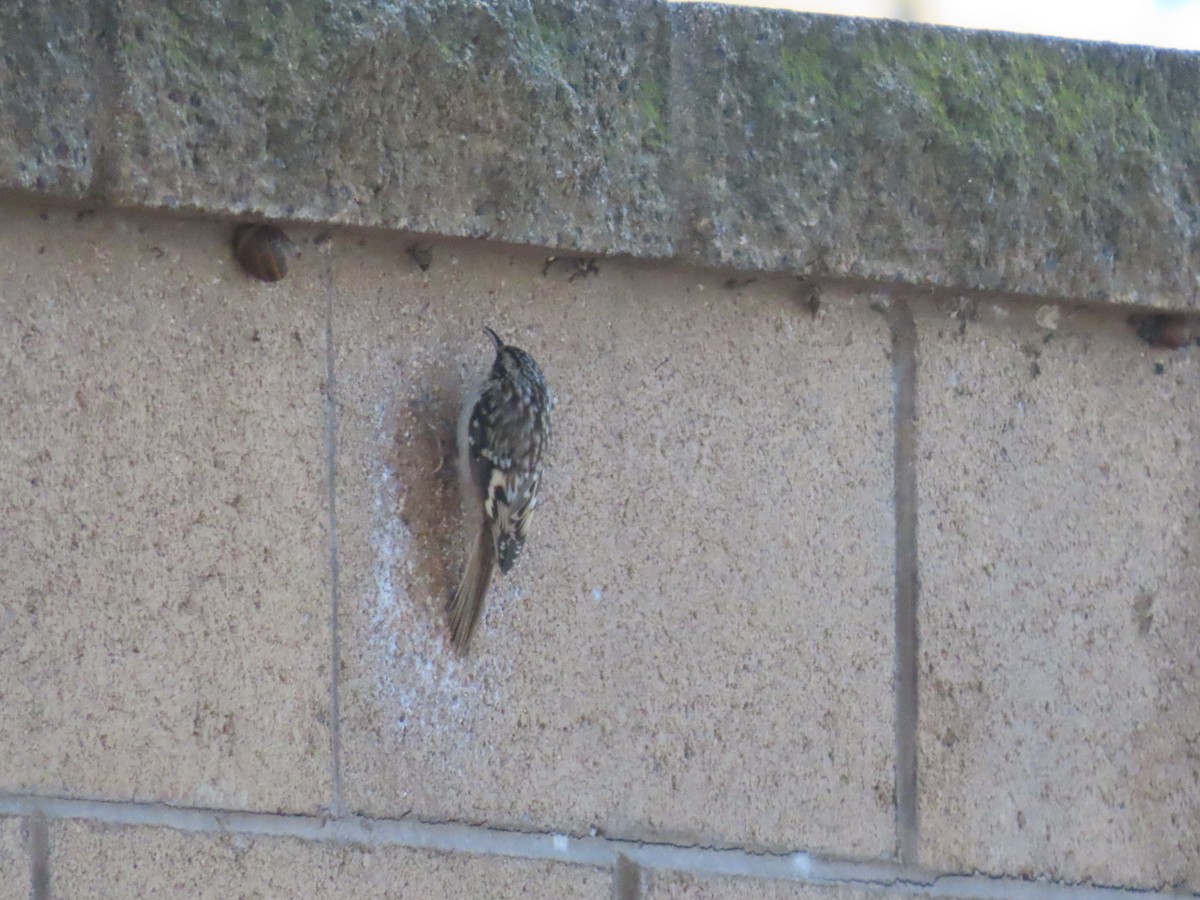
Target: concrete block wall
(867,568)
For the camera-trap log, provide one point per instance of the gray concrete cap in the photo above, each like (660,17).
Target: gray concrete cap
(757,139)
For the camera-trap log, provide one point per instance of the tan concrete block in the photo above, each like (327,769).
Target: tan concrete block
(14,861)
(1059,481)
(683,886)
(697,643)
(107,861)
(165,554)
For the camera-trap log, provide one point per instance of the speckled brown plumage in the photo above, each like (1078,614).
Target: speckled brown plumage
(502,438)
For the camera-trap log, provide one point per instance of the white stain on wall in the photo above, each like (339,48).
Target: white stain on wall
(418,680)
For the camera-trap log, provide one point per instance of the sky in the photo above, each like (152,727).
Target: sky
(1160,23)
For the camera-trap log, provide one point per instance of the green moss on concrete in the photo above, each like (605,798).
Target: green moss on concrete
(1021,158)
(552,38)
(968,96)
(804,63)
(820,144)
(651,96)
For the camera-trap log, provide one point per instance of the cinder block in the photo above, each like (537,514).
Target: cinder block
(684,886)
(14,861)
(697,643)
(162,488)
(1059,482)
(108,861)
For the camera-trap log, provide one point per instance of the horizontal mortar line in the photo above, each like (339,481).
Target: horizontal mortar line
(799,866)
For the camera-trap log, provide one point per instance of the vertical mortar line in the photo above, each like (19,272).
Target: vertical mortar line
(107,86)
(907,586)
(683,169)
(39,856)
(335,654)
(627,879)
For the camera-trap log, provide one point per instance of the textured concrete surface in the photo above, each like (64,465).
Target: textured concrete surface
(684,886)
(14,861)
(696,647)
(1059,477)
(769,140)
(106,861)
(165,552)
(533,122)
(697,644)
(917,154)
(48,101)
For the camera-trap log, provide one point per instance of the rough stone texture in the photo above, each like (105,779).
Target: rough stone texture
(917,154)
(763,139)
(106,861)
(537,122)
(697,645)
(165,553)
(1059,479)
(14,861)
(47,100)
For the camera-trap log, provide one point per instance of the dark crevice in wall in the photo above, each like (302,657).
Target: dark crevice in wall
(39,856)
(904,385)
(105,25)
(627,879)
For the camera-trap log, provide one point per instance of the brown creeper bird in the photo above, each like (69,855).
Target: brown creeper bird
(502,434)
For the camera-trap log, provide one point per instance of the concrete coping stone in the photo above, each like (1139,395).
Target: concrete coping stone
(760,140)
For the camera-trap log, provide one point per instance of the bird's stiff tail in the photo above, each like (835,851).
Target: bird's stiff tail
(466,604)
